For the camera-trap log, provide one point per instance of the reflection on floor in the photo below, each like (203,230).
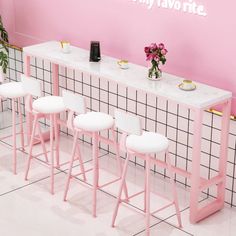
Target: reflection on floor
(27,207)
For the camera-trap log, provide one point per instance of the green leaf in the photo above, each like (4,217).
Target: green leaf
(3,32)
(3,61)
(4,50)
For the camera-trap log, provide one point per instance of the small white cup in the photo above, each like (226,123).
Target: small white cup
(65,47)
(124,64)
(187,84)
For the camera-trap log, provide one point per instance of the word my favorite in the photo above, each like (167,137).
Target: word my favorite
(189,6)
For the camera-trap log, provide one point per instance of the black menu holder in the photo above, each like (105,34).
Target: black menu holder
(95,54)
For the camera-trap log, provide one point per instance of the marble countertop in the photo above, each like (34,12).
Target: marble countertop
(136,76)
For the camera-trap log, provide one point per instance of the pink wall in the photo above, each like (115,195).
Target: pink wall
(200,48)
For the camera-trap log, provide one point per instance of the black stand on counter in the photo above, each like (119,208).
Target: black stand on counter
(95,54)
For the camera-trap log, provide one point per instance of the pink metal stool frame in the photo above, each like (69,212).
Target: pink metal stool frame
(53,133)
(148,159)
(33,88)
(80,108)
(14,133)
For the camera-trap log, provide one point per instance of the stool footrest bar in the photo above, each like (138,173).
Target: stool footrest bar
(81,173)
(162,208)
(134,195)
(111,182)
(208,183)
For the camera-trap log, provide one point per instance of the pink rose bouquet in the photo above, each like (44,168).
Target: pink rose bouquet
(156,54)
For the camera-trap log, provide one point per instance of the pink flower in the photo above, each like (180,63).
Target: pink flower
(153,46)
(161,46)
(149,57)
(156,53)
(156,58)
(147,49)
(164,51)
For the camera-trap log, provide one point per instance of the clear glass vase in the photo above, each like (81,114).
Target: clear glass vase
(154,72)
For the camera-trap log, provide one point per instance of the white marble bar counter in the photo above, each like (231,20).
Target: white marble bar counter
(136,76)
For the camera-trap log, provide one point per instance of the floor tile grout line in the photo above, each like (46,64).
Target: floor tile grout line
(161,220)
(61,171)
(6,144)
(64,171)
(9,126)
(164,220)
(44,178)
(26,185)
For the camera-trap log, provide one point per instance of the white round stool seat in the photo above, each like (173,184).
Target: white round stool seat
(12,90)
(49,105)
(148,142)
(93,121)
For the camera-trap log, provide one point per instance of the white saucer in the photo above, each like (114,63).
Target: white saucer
(66,52)
(189,89)
(124,68)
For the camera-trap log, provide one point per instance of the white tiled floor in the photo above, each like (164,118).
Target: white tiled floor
(27,208)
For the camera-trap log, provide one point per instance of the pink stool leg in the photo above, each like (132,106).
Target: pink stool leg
(21,126)
(71,164)
(31,146)
(120,190)
(29,116)
(56,129)
(118,159)
(147,191)
(95,171)
(14,135)
(145,188)
(1,105)
(29,122)
(52,152)
(42,142)
(176,202)
(81,162)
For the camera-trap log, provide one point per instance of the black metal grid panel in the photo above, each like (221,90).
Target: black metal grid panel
(157,114)
(14,67)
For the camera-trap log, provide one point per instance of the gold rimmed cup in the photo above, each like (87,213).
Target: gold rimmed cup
(65,46)
(124,64)
(187,85)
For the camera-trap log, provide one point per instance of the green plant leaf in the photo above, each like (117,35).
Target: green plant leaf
(4,34)
(4,49)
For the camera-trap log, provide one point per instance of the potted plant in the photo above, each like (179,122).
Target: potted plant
(3,50)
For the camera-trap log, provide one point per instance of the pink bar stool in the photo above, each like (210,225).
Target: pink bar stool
(14,91)
(90,123)
(49,106)
(143,144)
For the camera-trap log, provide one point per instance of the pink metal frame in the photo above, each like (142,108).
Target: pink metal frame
(197,213)
(53,133)
(148,159)
(29,116)
(95,139)
(14,133)
(198,184)
(29,119)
